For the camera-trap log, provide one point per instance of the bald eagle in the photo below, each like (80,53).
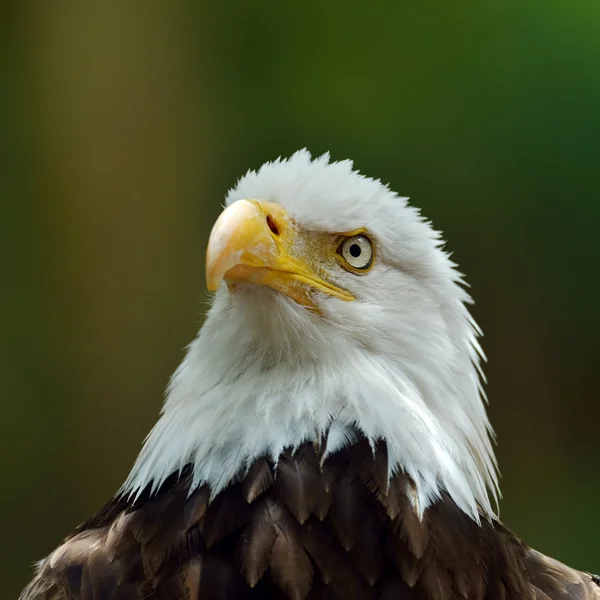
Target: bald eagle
(326,435)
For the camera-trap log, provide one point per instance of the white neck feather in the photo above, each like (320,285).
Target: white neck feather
(265,375)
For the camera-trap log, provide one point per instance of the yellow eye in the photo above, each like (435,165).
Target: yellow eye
(357,251)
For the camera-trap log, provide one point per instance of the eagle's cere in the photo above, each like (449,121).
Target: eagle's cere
(326,434)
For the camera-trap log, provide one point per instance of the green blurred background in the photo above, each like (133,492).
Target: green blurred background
(123,125)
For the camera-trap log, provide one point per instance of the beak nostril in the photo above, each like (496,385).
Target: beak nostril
(272,225)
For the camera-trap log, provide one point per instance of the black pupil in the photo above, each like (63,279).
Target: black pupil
(355,250)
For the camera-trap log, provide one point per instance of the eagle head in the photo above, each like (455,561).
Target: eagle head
(336,312)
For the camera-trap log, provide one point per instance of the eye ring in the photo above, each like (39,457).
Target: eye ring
(356,253)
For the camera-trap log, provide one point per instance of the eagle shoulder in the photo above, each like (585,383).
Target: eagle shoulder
(123,551)
(303,528)
(553,579)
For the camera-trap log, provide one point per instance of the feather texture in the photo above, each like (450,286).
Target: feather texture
(271,537)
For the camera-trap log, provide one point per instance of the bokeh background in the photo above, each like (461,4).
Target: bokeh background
(124,123)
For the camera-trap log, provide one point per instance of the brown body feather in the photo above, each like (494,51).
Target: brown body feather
(299,529)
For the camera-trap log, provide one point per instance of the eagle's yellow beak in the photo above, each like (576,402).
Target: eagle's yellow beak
(257,242)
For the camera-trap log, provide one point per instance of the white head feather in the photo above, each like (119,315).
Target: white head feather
(401,362)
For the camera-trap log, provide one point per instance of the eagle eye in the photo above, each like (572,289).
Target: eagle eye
(357,253)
